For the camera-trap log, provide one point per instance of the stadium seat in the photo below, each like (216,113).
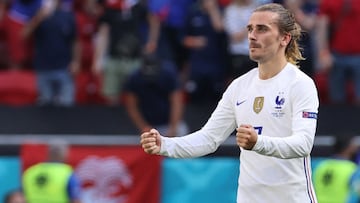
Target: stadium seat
(17,88)
(88,89)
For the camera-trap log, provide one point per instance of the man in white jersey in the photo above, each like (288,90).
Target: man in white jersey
(274,110)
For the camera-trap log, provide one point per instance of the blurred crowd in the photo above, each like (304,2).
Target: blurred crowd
(76,52)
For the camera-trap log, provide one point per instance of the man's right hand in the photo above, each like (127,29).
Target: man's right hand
(151,141)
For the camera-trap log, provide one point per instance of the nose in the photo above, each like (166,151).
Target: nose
(251,35)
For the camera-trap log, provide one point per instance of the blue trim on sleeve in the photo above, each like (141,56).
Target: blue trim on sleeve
(74,188)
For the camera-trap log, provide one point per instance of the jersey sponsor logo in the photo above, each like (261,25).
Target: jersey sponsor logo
(258,104)
(239,103)
(307,114)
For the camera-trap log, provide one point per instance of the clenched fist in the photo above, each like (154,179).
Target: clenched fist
(151,141)
(246,136)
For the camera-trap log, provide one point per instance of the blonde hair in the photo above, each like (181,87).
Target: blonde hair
(287,25)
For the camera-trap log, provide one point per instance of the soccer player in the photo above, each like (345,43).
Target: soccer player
(274,110)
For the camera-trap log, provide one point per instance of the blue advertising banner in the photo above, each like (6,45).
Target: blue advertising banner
(210,180)
(10,173)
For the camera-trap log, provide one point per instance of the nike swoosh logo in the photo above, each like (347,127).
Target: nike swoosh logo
(238,103)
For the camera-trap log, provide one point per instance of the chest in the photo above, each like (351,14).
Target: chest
(263,103)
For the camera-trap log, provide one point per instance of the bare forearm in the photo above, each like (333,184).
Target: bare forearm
(322,33)
(216,19)
(177,108)
(101,43)
(154,28)
(33,24)
(135,114)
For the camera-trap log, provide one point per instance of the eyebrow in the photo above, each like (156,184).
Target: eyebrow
(262,25)
(257,26)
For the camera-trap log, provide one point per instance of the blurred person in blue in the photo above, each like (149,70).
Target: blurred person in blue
(56,53)
(53,180)
(332,176)
(273,111)
(204,37)
(154,97)
(14,196)
(166,30)
(118,45)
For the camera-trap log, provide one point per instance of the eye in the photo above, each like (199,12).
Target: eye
(249,28)
(262,28)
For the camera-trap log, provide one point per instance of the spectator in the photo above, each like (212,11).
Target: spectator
(305,12)
(15,196)
(57,54)
(154,97)
(53,180)
(118,45)
(332,176)
(338,32)
(204,36)
(236,17)
(18,16)
(4,51)
(88,84)
(167,23)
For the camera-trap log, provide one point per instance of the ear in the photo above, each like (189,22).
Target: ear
(285,39)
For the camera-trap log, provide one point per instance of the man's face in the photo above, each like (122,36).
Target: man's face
(264,37)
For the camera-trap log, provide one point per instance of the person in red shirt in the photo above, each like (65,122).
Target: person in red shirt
(338,43)
(87,84)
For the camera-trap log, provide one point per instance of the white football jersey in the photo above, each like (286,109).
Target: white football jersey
(283,110)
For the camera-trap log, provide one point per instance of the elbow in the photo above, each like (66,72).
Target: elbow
(213,147)
(306,150)
(303,150)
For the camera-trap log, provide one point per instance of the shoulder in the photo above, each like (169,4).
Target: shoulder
(247,77)
(243,81)
(302,87)
(296,76)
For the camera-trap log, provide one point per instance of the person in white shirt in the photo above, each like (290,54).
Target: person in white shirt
(236,17)
(274,110)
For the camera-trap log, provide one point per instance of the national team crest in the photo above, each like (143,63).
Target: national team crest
(258,104)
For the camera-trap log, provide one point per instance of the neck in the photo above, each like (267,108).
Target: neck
(271,68)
